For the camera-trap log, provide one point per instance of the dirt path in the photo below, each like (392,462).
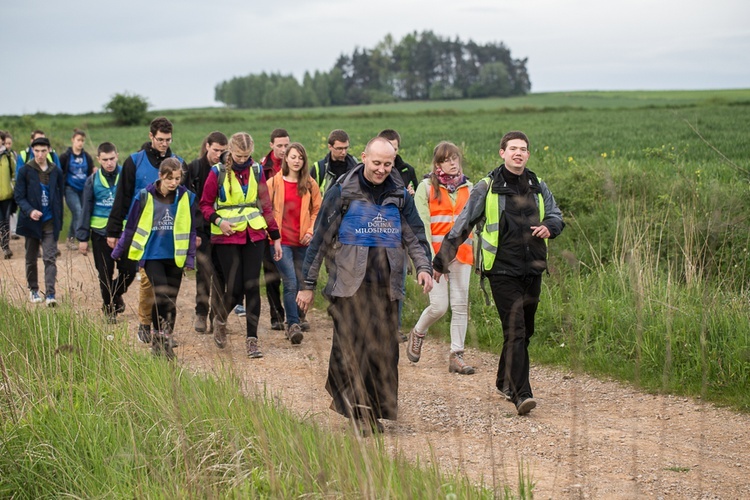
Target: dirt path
(587,438)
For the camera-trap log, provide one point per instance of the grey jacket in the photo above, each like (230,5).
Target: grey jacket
(346,264)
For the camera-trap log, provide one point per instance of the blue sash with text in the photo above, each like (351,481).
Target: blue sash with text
(369,225)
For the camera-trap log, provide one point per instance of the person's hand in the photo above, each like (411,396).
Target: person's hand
(410,189)
(35,215)
(540,231)
(306,239)
(424,279)
(83,247)
(305,299)
(198,241)
(111,242)
(277,252)
(226,228)
(436,275)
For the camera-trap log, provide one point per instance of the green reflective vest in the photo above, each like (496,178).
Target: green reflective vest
(494,205)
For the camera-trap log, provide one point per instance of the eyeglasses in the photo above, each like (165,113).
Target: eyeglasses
(450,159)
(341,149)
(163,140)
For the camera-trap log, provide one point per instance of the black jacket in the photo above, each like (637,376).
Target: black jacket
(197,172)
(126,186)
(28,196)
(408,174)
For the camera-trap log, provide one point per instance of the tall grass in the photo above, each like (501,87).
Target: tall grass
(84,415)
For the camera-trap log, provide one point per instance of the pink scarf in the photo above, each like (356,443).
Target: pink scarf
(451,182)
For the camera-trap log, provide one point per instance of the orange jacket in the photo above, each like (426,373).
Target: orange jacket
(310,203)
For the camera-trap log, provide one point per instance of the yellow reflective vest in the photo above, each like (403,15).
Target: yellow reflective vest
(238,208)
(181,232)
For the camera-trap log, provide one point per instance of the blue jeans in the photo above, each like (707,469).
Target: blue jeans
(290,267)
(74,200)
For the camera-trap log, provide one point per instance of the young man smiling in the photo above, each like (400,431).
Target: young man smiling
(518,214)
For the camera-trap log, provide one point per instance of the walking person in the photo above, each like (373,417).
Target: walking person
(271,164)
(518,215)
(440,197)
(336,163)
(209,282)
(7,204)
(39,195)
(160,235)
(296,201)
(98,197)
(77,165)
(138,171)
(365,228)
(235,201)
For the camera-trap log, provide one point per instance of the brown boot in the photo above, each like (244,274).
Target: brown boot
(220,334)
(458,365)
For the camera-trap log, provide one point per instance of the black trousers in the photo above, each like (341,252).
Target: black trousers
(105,265)
(272,278)
(209,280)
(516,299)
(165,278)
(241,267)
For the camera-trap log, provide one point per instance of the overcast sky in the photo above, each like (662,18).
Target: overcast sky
(72,55)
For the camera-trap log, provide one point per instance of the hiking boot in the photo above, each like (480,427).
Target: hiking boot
(414,346)
(304,325)
(525,405)
(8,253)
(35,297)
(144,333)
(220,334)
(240,311)
(458,365)
(402,337)
(200,323)
(161,344)
(277,325)
(294,333)
(50,300)
(251,343)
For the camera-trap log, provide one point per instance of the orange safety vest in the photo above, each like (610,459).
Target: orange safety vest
(443,214)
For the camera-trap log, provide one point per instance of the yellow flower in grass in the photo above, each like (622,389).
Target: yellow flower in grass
(603,155)
(546,148)
(570,159)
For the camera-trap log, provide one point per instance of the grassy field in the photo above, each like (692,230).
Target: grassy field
(647,284)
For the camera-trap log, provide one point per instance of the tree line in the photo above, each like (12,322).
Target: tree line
(421,66)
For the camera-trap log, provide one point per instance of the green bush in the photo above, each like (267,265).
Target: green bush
(128,109)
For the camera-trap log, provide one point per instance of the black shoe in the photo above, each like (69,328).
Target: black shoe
(525,405)
(144,333)
(119,304)
(294,333)
(506,394)
(403,337)
(8,253)
(304,325)
(370,427)
(277,325)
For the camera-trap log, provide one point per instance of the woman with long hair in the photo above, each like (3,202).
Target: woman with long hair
(440,197)
(296,201)
(235,201)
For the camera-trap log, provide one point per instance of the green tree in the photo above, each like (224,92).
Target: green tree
(128,109)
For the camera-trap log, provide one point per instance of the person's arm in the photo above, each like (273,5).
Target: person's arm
(20,192)
(126,238)
(208,198)
(472,213)
(324,233)
(90,161)
(414,237)
(316,200)
(422,202)
(266,208)
(195,217)
(123,198)
(83,231)
(552,214)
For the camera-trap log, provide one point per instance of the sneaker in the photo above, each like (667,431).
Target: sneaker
(414,347)
(200,323)
(277,325)
(14,236)
(506,393)
(35,297)
(402,337)
(458,365)
(144,333)
(525,405)
(220,334)
(239,310)
(252,348)
(294,333)
(304,325)
(50,300)
(8,253)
